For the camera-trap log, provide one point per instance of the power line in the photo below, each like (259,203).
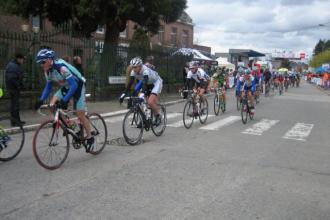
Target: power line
(262,32)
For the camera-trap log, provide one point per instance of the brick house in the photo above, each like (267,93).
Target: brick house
(176,34)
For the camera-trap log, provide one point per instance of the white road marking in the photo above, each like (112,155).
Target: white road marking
(121,118)
(221,123)
(115,119)
(299,131)
(173,115)
(180,123)
(260,127)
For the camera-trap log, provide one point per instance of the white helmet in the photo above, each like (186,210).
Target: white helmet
(136,61)
(193,64)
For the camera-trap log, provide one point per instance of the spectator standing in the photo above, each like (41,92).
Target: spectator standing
(78,64)
(14,83)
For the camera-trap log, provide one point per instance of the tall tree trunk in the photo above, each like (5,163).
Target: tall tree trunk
(109,54)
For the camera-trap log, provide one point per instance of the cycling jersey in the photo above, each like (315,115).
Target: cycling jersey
(70,81)
(220,77)
(145,71)
(154,83)
(247,82)
(199,76)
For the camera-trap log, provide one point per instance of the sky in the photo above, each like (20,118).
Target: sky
(263,25)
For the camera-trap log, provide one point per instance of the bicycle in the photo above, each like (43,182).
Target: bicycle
(257,94)
(141,117)
(280,88)
(238,100)
(195,107)
(11,138)
(219,101)
(286,84)
(51,139)
(246,109)
(267,88)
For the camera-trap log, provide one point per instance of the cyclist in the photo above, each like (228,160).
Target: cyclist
(239,81)
(281,81)
(249,85)
(151,83)
(219,75)
(267,77)
(72,85)
(197,76)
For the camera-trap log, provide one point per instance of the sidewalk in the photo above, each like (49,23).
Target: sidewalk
(326,91)
(107,109)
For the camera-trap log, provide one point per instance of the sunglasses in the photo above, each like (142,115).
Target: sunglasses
(42,62)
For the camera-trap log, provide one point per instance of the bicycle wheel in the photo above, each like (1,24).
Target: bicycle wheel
(238,103)
(188,114)
(216,103)
(204,111)
(222,103)
(133,127)
(244,111)
(99,131)
(158,128)
(50,145)
(11,139)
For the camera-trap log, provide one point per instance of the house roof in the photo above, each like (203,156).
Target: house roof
(246,52)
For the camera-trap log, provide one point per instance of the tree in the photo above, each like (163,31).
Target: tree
(321,58)
(140,44)
(86,15)
(319,47)
(140,39)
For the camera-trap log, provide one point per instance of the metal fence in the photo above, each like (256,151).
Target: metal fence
(68,44)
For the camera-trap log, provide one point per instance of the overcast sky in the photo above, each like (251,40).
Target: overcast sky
(263,25)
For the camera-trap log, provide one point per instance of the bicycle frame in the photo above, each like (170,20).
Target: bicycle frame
(136,106)
(59,119)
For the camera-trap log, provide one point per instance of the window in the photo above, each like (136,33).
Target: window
(100,29)
(185,38)
(173,35)
(99,46)
(36,23)
(161,34)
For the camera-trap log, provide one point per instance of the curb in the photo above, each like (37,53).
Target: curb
(33,127)
(322,90)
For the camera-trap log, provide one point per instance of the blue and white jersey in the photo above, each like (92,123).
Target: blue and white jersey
(199,76)
(153,76)
(61,72)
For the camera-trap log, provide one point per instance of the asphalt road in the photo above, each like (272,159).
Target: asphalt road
(277,166)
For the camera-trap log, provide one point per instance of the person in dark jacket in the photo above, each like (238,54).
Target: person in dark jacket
(78,64)
(14,84)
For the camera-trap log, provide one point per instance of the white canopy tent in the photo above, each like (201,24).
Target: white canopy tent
(189,51)
(222,61)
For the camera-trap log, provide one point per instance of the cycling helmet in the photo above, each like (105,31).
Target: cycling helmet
(136,61)
(45,54)
(247,71)
(240,70)
(193,64)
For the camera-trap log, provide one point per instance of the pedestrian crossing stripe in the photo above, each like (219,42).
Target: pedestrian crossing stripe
(300,131)
(260,127)
(221,123)
(179,124)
